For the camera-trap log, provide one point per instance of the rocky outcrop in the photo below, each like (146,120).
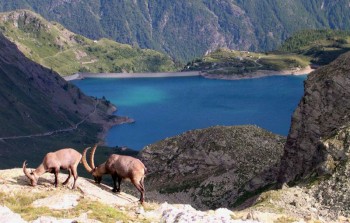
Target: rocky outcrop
(322,112)
(214,167)
(333,190)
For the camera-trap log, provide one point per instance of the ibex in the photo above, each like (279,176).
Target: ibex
(120,167)
(65,159)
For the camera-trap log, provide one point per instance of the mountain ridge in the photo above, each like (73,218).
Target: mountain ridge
(188,29)
(65,52)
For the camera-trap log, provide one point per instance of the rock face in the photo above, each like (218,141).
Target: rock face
(333,192)
(214,167)
(323,111)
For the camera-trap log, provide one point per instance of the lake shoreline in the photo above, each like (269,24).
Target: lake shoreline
(164,107)
(256,74)
(260,74)
(79,76)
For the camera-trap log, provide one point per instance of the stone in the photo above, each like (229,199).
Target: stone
(6,215)
(58,202)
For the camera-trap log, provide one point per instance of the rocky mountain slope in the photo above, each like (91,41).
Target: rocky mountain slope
(91,203)
(320,115)
(214,167)
(53,46)
(41,112)
(317,147)
(188,29)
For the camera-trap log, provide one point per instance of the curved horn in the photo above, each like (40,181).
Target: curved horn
(92,155)
(26,172)
(85,163)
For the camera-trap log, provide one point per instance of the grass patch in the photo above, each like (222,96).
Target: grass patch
(184,187)
(101,212)
(231,62)
(22,204)
(52,46)
(241,199)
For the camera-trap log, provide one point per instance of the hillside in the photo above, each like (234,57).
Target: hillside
(66,53)
(305,48)
(41,112)
(232,64)
(188,29)
(320,46)
(214,167)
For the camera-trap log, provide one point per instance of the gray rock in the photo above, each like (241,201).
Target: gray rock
(58,202)
(6,216)
(214,166)
(184,213)
(322,111)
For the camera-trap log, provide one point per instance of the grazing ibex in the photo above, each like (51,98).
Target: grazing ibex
(120,167)
(65,159)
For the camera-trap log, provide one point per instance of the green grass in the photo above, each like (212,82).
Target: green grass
(22,204)
(322,46)
(54,47)
(307,47)
(231,62)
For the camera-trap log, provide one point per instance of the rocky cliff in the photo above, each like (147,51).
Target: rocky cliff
(317,147)
(214,167)
(321,114)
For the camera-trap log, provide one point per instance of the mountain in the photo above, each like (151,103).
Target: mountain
(317,147)
(55,47)
(41,112)
(321,115)
(215,167)
(188,29)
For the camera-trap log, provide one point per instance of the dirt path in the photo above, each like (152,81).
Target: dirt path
(69,129)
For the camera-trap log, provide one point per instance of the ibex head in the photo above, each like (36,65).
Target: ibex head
(31,175)
(96,173)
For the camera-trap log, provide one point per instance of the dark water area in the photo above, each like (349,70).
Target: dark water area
(165,107)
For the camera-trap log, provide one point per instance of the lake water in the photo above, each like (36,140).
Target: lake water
(165,107)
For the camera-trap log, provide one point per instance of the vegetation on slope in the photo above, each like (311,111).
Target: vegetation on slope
(53,46)
(36,104)
(240,63)
(321,46)
(215,167)
(308,47)
(187,29)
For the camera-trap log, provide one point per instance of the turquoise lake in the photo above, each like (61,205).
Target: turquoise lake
(165,107)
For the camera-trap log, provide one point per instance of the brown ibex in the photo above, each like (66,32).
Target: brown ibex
(120,167)
(65,159)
